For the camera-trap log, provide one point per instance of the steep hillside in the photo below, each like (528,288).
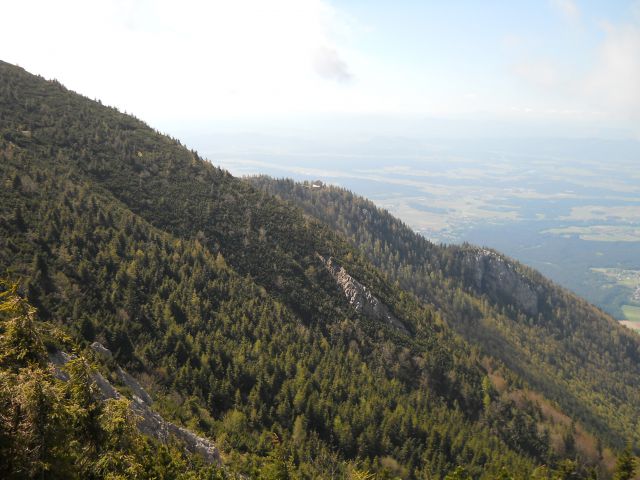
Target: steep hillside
(562,346)
(60,418)
(247,320)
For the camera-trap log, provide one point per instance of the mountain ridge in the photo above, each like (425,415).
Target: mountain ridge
(213,291)
(519,299)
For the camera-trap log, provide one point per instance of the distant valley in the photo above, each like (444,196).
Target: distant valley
(570,209)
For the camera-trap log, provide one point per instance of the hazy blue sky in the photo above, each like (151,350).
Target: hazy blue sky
(561,67)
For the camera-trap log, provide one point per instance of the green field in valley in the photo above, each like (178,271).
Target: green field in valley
(631,313)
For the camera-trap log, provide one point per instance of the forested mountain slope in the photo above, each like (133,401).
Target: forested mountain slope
(562,346)
(55,420)
(219,297)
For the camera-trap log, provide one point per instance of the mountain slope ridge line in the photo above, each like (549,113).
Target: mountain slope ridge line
(211,290)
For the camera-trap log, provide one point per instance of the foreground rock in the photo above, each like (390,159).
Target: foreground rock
(150,423)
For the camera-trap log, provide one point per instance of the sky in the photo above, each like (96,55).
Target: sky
(547,67)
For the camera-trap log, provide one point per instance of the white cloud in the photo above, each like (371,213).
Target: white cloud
(328,64)
(225,61)
(568,9)
(542,73)
(606,88)
(193,58)
(635,10)
(614,81)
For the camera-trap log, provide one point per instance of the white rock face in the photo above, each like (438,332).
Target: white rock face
(360,297)
(149,422)
(494,276)
(101,350)
(136,388)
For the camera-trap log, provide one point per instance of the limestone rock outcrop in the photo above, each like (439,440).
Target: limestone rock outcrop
(360,297)
(149,422)
(493,275)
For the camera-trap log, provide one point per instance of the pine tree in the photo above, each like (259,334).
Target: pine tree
(625,465)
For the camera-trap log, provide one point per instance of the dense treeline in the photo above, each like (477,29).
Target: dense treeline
(569,350)
(213,293)
(174,309)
